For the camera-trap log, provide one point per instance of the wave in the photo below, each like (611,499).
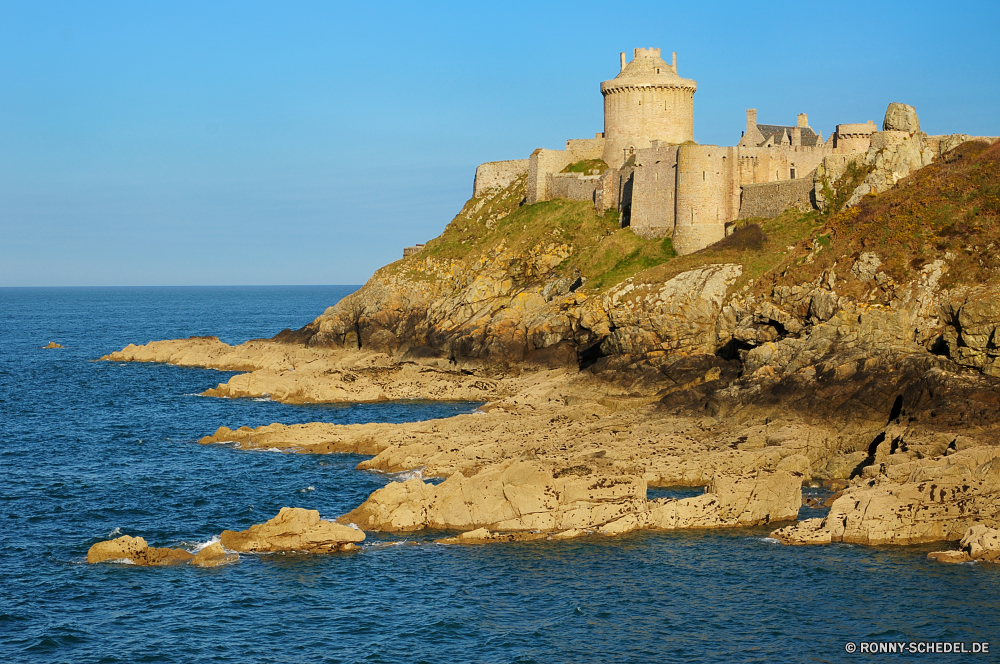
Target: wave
(117,532)
(307,489)
(201,545)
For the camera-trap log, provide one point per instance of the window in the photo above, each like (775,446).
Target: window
(792,173)
(703,176)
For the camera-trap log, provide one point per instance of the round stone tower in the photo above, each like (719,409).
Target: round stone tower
(646,102)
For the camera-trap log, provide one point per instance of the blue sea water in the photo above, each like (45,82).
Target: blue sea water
(90,450)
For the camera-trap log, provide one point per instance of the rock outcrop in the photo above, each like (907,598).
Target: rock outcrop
(214,555)
(526,496)
(293,529)
(135,550)
(52,344)
(980,543)
(911,502)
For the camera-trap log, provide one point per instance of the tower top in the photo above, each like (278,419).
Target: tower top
(647,69)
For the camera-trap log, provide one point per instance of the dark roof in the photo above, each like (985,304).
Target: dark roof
(809,137)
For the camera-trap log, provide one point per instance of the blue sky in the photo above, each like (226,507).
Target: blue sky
(308,143)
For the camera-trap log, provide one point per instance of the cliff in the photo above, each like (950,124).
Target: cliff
(853,346)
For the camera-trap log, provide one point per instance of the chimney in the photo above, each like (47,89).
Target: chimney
(797,133)
(623,62)
(803,120)
(751,121)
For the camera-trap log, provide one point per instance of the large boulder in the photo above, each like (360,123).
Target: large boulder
(293,529)
(927,500)
(513,496)
(525,496)
(980,543)
(136,551)
(901,117)
(214,555)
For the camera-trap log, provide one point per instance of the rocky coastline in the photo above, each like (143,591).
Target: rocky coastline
(866,362)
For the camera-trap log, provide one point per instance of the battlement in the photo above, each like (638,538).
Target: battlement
(646,53)
(857,129)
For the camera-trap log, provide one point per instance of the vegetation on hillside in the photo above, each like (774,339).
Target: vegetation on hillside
(587,167)
(949,208)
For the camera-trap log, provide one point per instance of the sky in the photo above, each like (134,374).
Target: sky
(245,143)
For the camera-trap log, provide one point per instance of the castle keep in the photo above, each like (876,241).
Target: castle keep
(663,183)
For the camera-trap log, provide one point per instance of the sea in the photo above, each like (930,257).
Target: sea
(90,450)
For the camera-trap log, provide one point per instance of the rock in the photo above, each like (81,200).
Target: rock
(823,304)
(512,496)
(926,500)
(214,555)
(52,344)
(525,496)
(484,536)
(949,556)
(866,266)
(796,463)
(136,551)
(901,117)
(972,316)
(293,529)
(982,543)
(809,531)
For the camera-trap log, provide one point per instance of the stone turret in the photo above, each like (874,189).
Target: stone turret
(646,102)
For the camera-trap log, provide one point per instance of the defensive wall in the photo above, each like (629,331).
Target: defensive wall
(543,163)
(664,184)
(769,199)
(497,174)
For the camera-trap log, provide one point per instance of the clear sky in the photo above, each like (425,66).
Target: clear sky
(309,142)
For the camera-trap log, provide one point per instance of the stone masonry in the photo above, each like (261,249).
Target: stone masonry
(665,185)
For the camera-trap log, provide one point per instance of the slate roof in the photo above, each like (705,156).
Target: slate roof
(809,137)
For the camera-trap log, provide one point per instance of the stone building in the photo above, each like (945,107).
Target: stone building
(664,184)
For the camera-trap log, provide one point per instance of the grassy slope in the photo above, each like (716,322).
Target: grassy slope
(950,206)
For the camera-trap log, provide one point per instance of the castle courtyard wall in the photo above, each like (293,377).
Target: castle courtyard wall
(573,186)
(769,199)
(497,175)
(654,187)
(544,163)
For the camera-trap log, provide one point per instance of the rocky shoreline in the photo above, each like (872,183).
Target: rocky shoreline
(746,368)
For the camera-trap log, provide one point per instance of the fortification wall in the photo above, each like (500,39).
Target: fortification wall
(497,174)
(544,163)
(781,162)
(573,186)
(707,195)
(654,191)
(769,199)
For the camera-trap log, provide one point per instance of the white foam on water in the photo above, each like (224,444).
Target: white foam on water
(262,399)
(414,474)
(769,540)
(121,561)
(307,489)
(115,533)
(353,525)
(201,545)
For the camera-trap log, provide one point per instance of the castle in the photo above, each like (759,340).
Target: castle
(659,179)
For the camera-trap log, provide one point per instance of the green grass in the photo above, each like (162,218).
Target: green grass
(587,167)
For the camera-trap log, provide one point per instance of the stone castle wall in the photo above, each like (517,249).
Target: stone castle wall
(573,186)
(654,188)
(497,174)
(769,199)
(544,163)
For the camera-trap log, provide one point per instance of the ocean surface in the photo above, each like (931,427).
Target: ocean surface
(90,450)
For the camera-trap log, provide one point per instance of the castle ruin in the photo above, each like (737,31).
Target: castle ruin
(661,181)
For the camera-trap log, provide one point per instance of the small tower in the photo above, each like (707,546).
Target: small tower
(646,102)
